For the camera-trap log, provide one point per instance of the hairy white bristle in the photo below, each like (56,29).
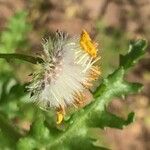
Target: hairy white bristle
(65,69)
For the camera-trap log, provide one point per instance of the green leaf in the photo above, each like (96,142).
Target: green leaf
(107,119)
(14,37)
(38,129)
(38,137)
(75,130)
(8,130)
(94,115)
(136,51)
(83,143)
(16,34)
(115,84)
(26,143)
(10,89)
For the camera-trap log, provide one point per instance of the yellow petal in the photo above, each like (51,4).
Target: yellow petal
(87,44)
(60,117)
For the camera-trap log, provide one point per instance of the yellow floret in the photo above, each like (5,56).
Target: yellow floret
(87,44)
(60,117)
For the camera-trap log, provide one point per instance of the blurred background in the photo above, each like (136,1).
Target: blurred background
(111,23)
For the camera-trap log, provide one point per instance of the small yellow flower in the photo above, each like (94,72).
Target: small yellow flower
(67,71)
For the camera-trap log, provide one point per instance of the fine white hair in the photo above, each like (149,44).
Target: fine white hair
(65,70)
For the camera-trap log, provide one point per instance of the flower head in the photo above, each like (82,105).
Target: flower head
(67,71)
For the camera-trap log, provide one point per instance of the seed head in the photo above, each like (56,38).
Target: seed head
(67,71)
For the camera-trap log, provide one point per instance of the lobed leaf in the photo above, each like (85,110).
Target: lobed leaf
(135,52)
(75,131)
(107,119)
(75,135)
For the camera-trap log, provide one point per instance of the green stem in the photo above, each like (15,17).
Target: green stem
(27,58)
(8,130)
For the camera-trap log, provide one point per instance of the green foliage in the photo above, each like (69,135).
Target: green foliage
(9,86)
(37,137)
(14,37)
(136,51)
(74,134)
